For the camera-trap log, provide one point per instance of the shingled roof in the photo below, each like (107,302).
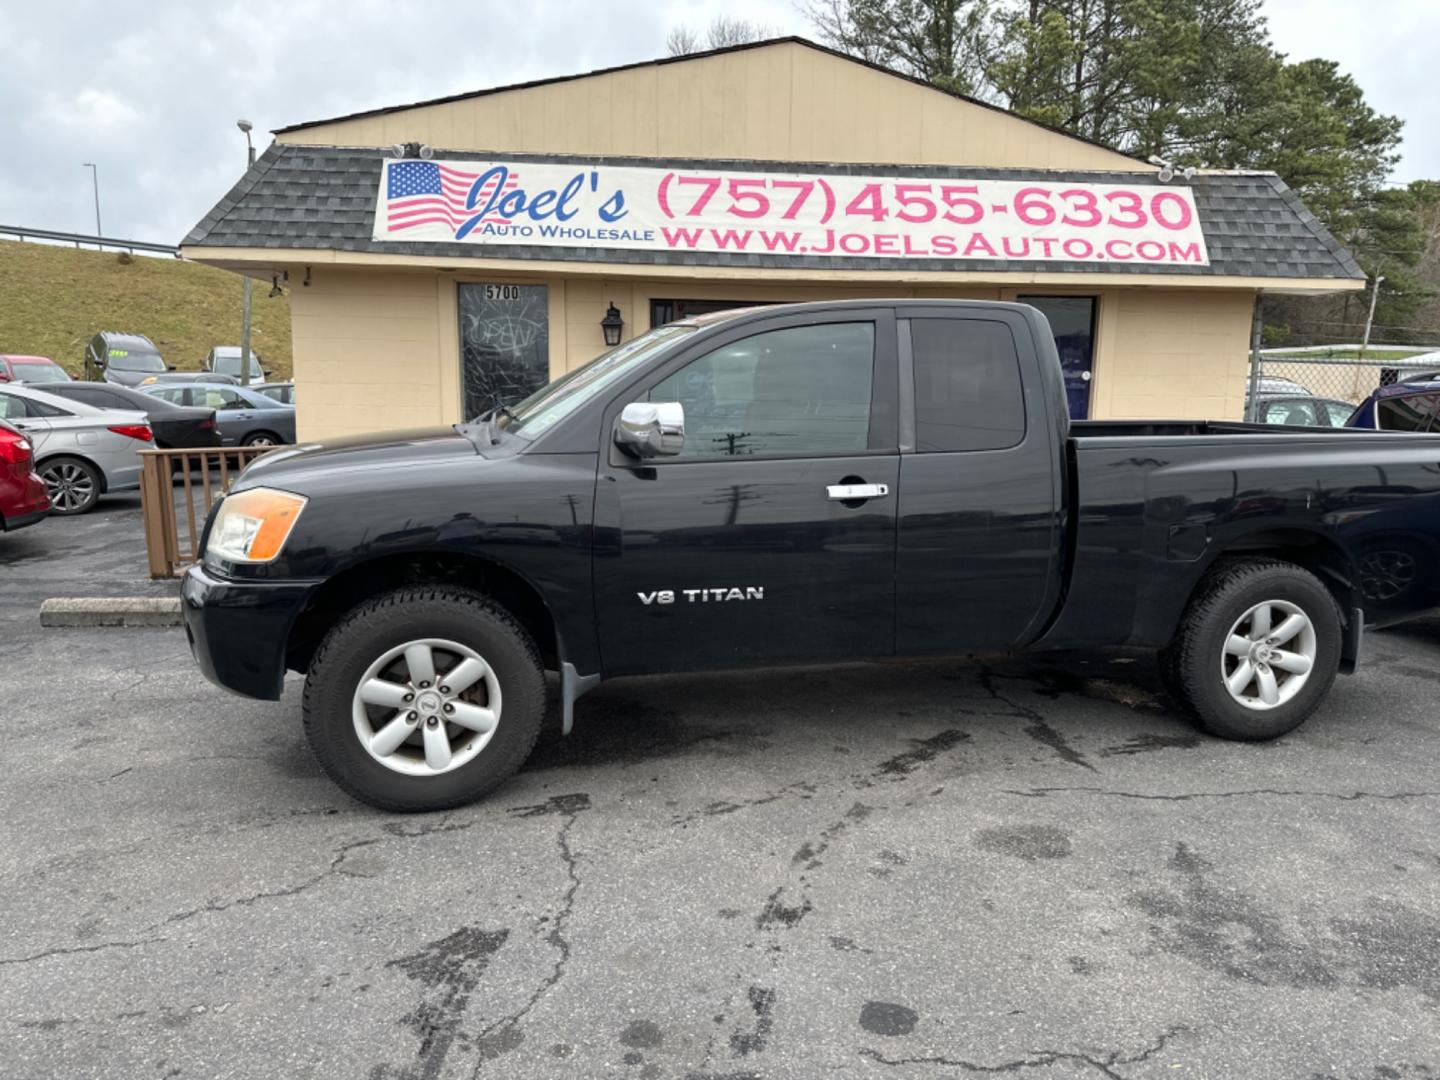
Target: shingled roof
(323,197)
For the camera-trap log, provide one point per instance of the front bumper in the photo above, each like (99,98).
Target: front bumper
(238,629)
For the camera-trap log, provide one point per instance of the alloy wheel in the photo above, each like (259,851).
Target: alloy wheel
(426,707)
(71,488)
(1268,655)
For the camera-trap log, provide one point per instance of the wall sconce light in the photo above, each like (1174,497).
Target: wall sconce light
(611,325)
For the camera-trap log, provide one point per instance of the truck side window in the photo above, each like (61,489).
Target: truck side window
(1413,413)
(967,385)
(796,392)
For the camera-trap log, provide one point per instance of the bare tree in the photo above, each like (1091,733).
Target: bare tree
(682,41)
(724,32)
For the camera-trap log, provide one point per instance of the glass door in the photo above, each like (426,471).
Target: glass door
(1072,321)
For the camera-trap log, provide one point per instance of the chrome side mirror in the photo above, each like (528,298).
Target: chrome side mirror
(651,429)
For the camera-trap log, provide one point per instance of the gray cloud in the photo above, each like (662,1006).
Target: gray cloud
(151,91)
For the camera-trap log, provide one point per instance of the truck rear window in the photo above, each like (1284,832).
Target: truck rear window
(1415,413)
(967,385)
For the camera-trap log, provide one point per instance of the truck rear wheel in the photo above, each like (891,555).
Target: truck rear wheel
(1257,649)
(424,698)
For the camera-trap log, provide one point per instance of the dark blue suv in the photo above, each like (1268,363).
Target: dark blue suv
(1411,405)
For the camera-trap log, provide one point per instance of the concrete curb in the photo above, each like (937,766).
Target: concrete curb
(111,611)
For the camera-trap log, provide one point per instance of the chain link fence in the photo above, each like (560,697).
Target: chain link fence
(1323,390)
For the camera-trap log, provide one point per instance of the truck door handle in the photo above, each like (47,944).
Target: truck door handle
(847,492)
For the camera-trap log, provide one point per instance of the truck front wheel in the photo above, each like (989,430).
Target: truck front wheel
(424,698)
(1257,649)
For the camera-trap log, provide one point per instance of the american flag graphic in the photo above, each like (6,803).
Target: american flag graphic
(429,193)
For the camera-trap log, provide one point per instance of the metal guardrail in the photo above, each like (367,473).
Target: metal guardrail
(177,488)
(80,239)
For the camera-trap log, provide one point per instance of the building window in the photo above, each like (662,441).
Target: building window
(504,344)
(1072,321)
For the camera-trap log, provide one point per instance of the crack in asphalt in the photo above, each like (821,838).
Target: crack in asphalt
(273,894)
(81,949)
(1039,1059)
(1354,796)
(502,1035)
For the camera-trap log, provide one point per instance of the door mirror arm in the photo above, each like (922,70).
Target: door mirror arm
(649,429)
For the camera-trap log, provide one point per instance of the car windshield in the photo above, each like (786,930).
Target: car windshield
(557,400)
(38,371)
(229,364)
(130,360)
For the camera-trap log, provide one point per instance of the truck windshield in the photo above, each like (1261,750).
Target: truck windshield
(129,360)
(557,400)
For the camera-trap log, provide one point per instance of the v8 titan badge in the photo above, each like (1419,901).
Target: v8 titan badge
(702,596)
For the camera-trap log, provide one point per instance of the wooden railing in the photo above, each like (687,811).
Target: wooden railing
(177,489)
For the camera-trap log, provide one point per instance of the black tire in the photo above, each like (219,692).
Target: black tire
(392,619)
(258,438)
(1191,666)
(64,477)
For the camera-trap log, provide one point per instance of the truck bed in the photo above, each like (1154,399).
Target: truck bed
(1150,504)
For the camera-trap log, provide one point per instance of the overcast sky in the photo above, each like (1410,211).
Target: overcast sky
(151,91)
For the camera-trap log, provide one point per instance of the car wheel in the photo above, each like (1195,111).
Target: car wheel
(424,698)
(261,438)
(73,483)
(1257,650)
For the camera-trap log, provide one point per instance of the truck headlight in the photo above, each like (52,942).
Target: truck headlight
(252,526)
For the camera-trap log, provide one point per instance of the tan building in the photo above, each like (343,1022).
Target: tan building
(445,255)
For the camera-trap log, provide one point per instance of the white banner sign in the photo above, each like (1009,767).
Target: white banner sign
(734,211)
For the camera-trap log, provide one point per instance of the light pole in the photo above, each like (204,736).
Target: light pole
(246,126)
(95,180)
(1370,318)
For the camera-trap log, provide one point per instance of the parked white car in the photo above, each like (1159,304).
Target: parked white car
(81,452)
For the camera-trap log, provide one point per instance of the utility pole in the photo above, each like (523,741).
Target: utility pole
(246,126)
(1370,318)
(95,181)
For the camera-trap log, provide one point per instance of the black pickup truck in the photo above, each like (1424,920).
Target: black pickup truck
(794,485)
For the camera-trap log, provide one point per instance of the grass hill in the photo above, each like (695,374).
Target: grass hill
(54,299)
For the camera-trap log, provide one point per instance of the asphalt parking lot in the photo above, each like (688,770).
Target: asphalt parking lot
(1024,867)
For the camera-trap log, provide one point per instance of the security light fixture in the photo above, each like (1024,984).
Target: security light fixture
(1168,170)
(412,150)
(611,325)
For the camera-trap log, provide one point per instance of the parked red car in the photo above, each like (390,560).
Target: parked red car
(31,369)
(23,498)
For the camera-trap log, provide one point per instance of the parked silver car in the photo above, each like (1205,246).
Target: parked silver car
(81,452)
(245,417)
